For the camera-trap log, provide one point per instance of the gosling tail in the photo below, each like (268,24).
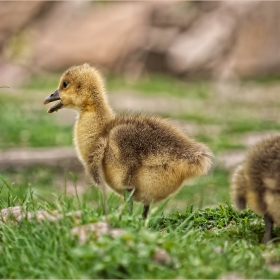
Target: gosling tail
(199,162)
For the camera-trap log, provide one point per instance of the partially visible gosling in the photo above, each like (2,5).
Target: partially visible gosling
(138,155)
(256,182)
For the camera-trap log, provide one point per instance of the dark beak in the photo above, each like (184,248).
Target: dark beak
(54,96)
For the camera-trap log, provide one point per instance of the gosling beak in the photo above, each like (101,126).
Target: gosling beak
(53,97)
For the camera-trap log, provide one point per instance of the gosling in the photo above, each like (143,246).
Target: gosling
(139,156)
(256,182)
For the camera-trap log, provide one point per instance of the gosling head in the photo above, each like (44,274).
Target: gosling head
(79,87)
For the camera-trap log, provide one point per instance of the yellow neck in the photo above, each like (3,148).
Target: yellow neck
(88,127)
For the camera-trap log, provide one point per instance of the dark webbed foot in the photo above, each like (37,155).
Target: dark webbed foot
(268,225)
(128,197)
(145,211)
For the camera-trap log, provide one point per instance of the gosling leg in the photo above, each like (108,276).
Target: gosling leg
(268,225)
(145,211)
(128,197)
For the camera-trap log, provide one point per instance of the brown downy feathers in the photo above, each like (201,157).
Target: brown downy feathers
(136,152)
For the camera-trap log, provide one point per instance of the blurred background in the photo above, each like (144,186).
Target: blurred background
(212,67)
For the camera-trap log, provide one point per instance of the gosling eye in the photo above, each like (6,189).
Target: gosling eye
(65,84)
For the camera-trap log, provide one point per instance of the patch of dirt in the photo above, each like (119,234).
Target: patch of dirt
(230,159)
(250,139)
(22,157)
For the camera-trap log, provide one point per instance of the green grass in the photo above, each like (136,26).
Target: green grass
(203,235)
(49,183)
(44,82)
(45,182)
(161,85)
(263,80)
(24,126)
(206,243)
(248,125)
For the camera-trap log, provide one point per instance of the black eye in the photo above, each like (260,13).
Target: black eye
(65,84)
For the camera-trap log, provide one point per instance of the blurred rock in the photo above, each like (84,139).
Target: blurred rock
(52,216)
(12,74)
(16,14)
(180,14)
(19,213)
(231,276)
(99,34)
(84,232)
(161,257)
(207,6)
(159,41)
(220,39)
(199,47)
(256,48)
(11,213)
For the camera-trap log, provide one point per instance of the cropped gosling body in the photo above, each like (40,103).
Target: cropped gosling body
(137,153)
(256,182)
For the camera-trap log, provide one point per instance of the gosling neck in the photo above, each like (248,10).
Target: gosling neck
(94,118)
(88,129)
